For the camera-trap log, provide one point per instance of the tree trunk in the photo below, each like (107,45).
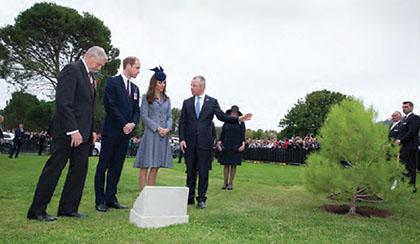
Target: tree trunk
(352,210)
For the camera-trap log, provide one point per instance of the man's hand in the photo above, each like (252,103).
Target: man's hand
(94,137)
(245,117)
(241,148)
(398,142)
(219,146)
(1,141)
(76,139)
(128,128)
(183,146)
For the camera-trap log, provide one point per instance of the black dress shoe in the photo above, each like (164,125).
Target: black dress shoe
(116,205)
(190,201)
(101,208)
(73,215)
(41,217)
(201,205)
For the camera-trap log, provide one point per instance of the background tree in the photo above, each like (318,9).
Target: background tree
(44,39)
(176,113)
(26,108)
(308,114)
(355,160)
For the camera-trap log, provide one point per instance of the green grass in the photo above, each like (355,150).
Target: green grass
(268,205)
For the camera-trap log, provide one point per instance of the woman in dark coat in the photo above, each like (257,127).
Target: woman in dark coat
(231,145)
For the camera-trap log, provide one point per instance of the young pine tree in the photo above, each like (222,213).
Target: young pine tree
(356,160)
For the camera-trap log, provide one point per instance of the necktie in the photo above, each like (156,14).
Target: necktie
(128,88)
(197,107)
(92,82)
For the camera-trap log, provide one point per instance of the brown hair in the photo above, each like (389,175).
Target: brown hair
(150,95)
(129,61)
(409,103)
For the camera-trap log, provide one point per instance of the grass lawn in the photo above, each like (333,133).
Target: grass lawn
(268,205)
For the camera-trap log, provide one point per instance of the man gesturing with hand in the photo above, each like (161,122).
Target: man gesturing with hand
(196,136)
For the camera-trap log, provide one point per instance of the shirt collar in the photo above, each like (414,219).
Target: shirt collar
(406,116)
(124,78)
(86,67)
(201,96)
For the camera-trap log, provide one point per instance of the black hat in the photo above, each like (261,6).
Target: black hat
(234,108)
(159,74)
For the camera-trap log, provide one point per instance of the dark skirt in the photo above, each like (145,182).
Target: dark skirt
(230,157)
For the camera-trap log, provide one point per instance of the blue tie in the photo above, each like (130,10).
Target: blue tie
(197,107)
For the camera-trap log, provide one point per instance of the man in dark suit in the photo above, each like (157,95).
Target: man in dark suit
(196,136)
(17,141)
(121,101)
(394,128)
(42,138)
(407,137)
(72,134)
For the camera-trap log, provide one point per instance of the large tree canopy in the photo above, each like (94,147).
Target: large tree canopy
(308,115)
(46,37)
(26,108)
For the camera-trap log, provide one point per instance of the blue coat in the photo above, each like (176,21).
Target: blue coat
(154,150)
(120,109)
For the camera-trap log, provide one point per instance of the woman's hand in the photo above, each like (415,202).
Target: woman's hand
(163,131)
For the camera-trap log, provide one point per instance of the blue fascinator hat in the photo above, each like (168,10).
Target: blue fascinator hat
(159,74)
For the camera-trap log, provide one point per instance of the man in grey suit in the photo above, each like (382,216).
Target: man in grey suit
(72,134)
(196,137)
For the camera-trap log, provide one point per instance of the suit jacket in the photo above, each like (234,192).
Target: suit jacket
(408,134)
(75,103)
(198,132)
(393,132)
(19,135)
(119,107)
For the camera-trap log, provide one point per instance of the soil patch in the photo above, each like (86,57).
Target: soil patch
(362,211)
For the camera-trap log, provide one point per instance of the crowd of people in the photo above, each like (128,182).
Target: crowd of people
(309,142)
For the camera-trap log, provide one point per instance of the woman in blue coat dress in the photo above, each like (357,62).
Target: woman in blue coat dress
(154,150)
(231,145)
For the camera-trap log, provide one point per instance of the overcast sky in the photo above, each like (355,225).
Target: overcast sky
(264,55)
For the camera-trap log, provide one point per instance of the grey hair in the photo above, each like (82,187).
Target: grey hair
(202,80)
(96,51)
(397,112)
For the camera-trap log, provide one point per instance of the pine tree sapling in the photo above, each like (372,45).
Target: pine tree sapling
(356,159)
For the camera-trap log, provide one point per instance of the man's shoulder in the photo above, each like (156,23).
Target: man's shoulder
(115,78)
(207,97)
(189,99)
(72,66)
(413,117)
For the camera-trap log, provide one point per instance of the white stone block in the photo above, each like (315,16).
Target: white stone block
(159,206)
